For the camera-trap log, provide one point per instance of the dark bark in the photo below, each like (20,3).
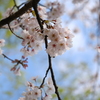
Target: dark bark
(20,12)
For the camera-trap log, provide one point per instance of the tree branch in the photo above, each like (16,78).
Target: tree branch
(49,58)
(53,77)
(37,15)
(17,14)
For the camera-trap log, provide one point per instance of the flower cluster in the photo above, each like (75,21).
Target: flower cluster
(59,38)
(32,42)
(34,92)
(98,48)
(56,10)
(16,68)
(2,43)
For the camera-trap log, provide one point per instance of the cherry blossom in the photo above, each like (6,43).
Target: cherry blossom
(61,40)
(50,90)
(33,94)
(30,85)
(22,98)
(16,70)
(42,12)
(47,97)
(2,42)
(56,10)
(98,49)
(36,93)
(7,13)
(0,51)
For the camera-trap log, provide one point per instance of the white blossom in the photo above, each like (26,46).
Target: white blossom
(62,47)
(47,97)
(51,89)
(26,36)
(17,72)
(36,93)
(0,51)
(22,98)
(53,35)
(52,49)
(30,85)
(49,81)
(2,42)
(42,12)
(98,49)
(28,52)
(28,95)
(7,13)
(56,10)
(34,78)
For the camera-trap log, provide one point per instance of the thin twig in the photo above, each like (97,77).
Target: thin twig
(53,77)
(14,26)
(16,4)
(44,77)
(7,57)
(14,33)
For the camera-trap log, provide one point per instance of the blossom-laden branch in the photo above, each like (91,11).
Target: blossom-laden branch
(16,68)
(49,58)
(20,12)
(36,31)
(37,14)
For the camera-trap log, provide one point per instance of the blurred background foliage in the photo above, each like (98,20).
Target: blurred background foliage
(76,71)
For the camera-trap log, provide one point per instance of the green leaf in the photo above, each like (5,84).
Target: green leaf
(88,92)
(61,90)
(8,93)
(10,4)
(0,15)
(8,34)
(98,99)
